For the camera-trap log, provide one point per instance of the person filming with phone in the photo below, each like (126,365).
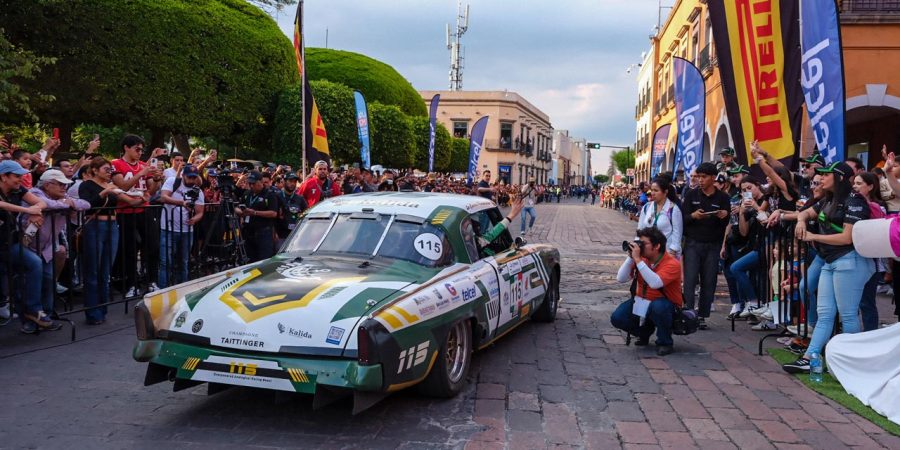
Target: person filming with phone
(706,211)
(657,290)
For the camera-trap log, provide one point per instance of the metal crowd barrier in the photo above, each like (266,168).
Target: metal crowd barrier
(131,249)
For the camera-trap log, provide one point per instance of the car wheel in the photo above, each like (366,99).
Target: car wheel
(547,311)
(448,376)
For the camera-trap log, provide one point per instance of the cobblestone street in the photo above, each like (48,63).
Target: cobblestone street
(569,384)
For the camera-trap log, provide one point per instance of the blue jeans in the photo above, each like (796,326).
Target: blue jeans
(528,210)
(100,245)
(740,270)
(174,252)
(867,306)
(730,257)
(811,283)
(659,316)
(840,290)
(36,291)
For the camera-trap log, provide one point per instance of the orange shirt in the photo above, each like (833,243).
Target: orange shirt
(669,270)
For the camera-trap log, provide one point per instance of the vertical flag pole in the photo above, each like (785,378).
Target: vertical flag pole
(303,98)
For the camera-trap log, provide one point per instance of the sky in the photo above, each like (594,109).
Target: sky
(566,57)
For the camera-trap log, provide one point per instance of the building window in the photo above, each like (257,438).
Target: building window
(461,129)
(505,135)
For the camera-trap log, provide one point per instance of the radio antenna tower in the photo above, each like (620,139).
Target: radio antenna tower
(457,54)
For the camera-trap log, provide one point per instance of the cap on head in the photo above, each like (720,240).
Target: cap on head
(739,169)
(254,177)
(291,176)
(54,175)
(838,167)
(727,151)
(814,158)
(321,163)
(10,166)
(190,171)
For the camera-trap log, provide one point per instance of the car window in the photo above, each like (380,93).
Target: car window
(310,232)
(468,235)
(482,222)
(423,244)
(355,233)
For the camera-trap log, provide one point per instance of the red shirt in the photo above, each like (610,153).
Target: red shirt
(311,190)
(669,270)
(129,171)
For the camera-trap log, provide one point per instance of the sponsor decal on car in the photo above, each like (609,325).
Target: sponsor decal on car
(301,271)
(442,304)
(251,343)
(334,336)
(412,357)
(450,289)
(426,310)
(291,331)
(179,321)
(470,294)
(197,326)
(437,294)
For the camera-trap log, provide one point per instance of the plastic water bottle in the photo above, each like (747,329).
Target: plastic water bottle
(815,368)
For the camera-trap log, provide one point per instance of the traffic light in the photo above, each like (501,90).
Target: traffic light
(593,145)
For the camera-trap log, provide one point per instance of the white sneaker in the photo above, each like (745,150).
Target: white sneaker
(795,330)
(132,292)
(522,233)
(153,287)
(745,313)
(735,308)
(5,313)
(759,310)
(764,326)
(60,289)
(882,289)
(766,316)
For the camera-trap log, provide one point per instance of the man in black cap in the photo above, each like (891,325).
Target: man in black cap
(705,211)
(292,205)
(258,211)
(726,160)
(808,168)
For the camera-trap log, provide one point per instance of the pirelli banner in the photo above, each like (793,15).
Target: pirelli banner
(758,48)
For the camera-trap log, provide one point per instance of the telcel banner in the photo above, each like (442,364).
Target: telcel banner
(431,129)
(362,126)
(822,76)
(690,109)
(658,155)
(476,140)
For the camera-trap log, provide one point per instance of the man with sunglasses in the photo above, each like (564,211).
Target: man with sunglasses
(808,168)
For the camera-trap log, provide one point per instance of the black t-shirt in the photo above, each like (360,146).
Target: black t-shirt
(484,184)
(89,191)
(832,218)
(264,201)
(777,200)
(8,228)
(708,229)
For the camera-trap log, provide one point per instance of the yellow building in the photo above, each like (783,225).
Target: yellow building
(517,141)
(870,31)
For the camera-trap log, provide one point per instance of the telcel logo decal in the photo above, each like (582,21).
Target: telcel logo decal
(470,294)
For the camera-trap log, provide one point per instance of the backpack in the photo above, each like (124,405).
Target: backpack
(685,322)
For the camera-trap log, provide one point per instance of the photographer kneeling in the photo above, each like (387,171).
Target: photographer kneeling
(657,291)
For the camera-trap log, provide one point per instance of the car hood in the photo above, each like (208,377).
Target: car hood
(292,305)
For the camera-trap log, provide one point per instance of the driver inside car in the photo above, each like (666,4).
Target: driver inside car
(485,239)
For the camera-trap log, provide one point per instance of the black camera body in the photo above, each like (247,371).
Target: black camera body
(191,196)
(626,246)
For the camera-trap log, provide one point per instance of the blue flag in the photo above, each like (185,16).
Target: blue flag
(690,113)
(660,139)
(476,140)
(362,125)
(822,76)
(431,129)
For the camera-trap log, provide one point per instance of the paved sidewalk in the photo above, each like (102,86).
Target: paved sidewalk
(569,384)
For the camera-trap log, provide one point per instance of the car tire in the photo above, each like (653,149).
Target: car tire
(547,311)
(448,376)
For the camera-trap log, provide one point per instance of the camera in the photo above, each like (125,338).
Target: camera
(225,182)
(191,196)
(626,246)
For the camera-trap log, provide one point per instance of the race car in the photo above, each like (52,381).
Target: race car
(370,294)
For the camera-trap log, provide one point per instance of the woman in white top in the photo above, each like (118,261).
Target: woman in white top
(661,212)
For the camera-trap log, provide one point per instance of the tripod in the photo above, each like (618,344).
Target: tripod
(228,250)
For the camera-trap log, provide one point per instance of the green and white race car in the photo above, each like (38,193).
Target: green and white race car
(372,293)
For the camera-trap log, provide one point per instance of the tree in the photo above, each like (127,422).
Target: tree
(623,159)
(199,67)
(422,136)
(18,64)
(600,179)
(271,6)
(392,139)
(377,81)
(459,156)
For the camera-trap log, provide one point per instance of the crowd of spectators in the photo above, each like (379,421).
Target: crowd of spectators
(782,240)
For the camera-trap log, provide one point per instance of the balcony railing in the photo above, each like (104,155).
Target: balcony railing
(703,62)
(670,94)
(869,6)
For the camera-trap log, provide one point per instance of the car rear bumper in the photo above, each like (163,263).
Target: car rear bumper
(293,374)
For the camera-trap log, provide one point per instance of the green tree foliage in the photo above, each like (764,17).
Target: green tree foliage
(623,160)
(392,139)
(459,156)
(422,136)
(270,6)
(377,81)
(600,179)
(18,64)
(201,67)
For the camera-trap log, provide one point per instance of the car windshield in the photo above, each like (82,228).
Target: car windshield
(397,237)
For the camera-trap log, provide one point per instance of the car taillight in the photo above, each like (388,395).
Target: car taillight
(364,346)
(143,322)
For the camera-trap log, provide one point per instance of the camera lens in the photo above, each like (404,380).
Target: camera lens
(626,246)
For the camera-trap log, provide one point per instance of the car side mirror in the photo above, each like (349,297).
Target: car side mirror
(520,242)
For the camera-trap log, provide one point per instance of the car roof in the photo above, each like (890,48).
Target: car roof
(418,204)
